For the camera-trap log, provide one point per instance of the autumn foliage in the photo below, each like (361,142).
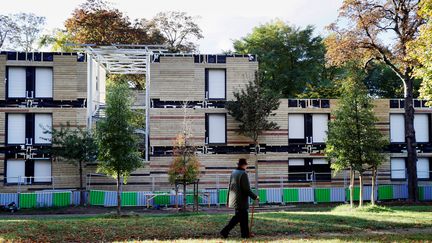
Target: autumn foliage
(185,166)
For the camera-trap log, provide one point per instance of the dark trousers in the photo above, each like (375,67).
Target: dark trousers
(240,216)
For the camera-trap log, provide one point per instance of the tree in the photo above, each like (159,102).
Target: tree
(117,142)
(185,166)
(7,27)
(251,107)
(421,50)
(96,22)
(27,30)
(362,33)
(59,40)
(289,57)
(178,29)
(353,141)
(76,146)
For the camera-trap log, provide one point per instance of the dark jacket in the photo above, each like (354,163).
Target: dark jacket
(239,190)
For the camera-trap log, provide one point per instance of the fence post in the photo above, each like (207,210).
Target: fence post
(313,187)
(281,188)
(217,189)
(345,184)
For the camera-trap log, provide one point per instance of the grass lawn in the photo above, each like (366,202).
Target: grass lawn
(403,223)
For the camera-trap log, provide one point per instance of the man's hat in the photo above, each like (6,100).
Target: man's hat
(242,161)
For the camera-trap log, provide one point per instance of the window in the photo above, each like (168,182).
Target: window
(29,82)
(42,170)
(216,84)
(397,128)
(306,169)
(43,122)
(296,125)
(421,126)
(16,128)
(307,128)
(216,129)
(423,170)
(296,162)
(28,128)
(319,127)
(397,168)
(44,83)
(15,171)
(17,82)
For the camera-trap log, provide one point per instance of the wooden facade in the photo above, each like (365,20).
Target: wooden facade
(181,97)
(53,85)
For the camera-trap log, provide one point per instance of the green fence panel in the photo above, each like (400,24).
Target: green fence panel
(223,195)
(322,194)
(262,193)
(290,195)
(356,193)
(61,199)
(129,199)
(421,193)
(385,192)
(97,198)
(162,200)
(27,200)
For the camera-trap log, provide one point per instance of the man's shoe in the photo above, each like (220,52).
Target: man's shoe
(223,235)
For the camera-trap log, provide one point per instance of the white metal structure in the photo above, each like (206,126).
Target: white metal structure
(118,59)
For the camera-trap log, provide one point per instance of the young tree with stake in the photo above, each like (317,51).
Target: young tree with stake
(251,107)
(116,138)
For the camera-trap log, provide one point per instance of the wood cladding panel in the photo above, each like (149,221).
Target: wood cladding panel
(69,80)
(2,77)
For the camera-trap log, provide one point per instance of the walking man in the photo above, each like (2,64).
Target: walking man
(238,198)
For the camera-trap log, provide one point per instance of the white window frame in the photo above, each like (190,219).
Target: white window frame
(215,136)
(319,130)
(296,162)
(421,126)
(21,92)
(320,161)
(397,128)
(296,126)
(39,131)
(216,90)
(398,173)
(42,170)
(13,120)
(44,82)
(13,176)
(423,170)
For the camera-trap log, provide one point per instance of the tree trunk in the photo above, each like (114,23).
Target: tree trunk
(184,196)
(118,195)
(256,166)
(411,141)
(81,184)
(360,189)
(374,172)
(351,187)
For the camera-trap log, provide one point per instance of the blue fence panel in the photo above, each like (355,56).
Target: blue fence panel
(179,199)
(76,198)
(400,191)
(306,194)
(337,194)
(427,190)
(6,198)
(110,198)
(142,199)
(274,195)
(44,199)
(213,196)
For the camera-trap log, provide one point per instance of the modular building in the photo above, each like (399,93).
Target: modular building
(44,90)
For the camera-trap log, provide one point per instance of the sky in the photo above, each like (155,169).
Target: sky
(222,21)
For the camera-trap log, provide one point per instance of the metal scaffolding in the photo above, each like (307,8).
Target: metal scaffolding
(122,59)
